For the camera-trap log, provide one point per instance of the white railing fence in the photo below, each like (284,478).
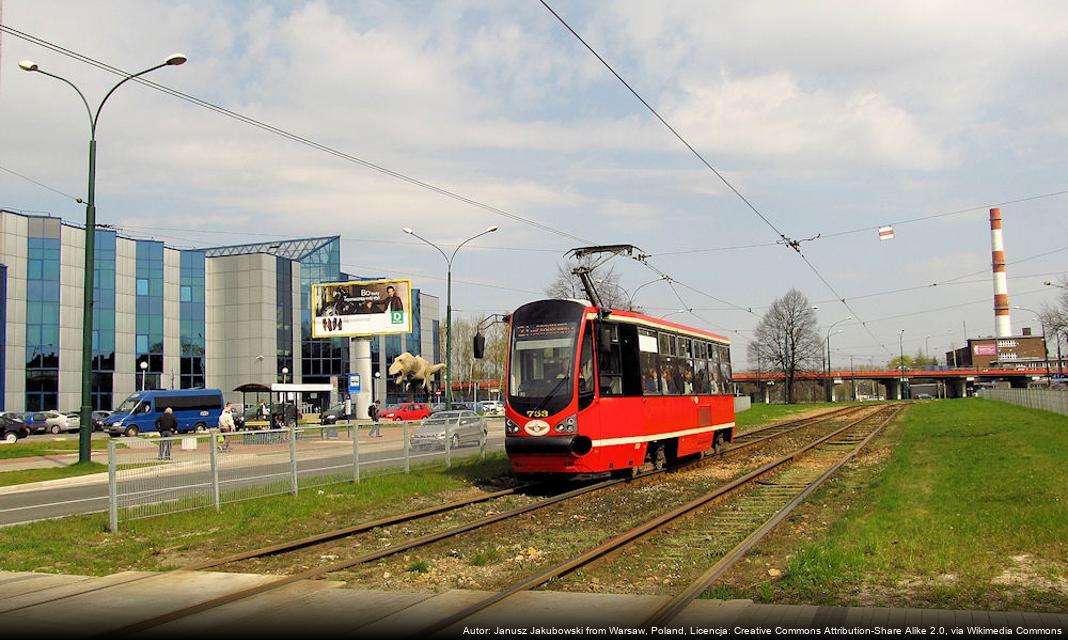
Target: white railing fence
(1045,399)
(152,476)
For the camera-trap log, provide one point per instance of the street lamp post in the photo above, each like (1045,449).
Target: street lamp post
(901,361)
(144,371)
(285,372)
(85,431)
(448,305)
(827,371)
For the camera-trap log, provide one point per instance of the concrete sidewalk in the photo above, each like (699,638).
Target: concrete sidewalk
(77,606)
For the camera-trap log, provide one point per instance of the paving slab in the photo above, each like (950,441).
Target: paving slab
(109,609)
(712,613)
(255,614)
(17,589)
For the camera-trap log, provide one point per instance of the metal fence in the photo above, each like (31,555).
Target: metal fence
(1044,399)
(153,476)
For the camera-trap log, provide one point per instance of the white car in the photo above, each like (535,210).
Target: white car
(56,422)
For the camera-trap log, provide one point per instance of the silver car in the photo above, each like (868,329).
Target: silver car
(459,427)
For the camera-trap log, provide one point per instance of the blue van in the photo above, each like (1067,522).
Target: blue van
(195,410)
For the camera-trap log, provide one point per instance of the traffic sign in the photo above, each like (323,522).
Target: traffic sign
(354,383)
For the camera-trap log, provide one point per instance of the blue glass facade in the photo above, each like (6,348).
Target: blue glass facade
(191,320)
(103,319)
(148,340)
(42,323)
(284,314)
(320,358)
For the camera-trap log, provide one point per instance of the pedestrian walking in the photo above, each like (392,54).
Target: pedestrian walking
(167,426)
(372,411)
(226,425)
(264,413)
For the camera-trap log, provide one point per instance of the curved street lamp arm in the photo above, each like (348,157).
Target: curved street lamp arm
(88,109)
(416,235)
(462,244)
(120,83)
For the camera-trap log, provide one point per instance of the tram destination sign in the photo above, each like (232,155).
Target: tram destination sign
(361,308)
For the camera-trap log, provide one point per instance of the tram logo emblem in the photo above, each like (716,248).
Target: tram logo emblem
(537,427)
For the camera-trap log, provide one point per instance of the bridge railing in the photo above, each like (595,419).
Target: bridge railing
(1044,399)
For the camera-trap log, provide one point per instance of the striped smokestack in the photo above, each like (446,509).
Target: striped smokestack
(1002,322)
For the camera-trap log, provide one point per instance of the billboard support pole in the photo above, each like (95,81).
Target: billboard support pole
(361,359)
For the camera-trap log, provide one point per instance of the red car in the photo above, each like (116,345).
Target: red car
(406,411)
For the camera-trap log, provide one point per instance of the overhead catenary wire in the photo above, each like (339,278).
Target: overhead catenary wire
(783,238)
(278,131)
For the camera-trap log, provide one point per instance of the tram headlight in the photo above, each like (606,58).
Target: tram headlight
(568,426)
(511,427)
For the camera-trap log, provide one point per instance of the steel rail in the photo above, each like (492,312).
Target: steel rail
(316,572)
(283,547)
(631,535)
(669,610)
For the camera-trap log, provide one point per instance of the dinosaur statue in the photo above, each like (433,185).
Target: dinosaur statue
(413,371)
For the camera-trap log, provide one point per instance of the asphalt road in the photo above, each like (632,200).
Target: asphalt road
(88,498)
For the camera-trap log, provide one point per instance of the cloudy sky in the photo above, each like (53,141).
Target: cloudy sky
(830,117)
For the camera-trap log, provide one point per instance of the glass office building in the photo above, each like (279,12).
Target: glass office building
(219,317)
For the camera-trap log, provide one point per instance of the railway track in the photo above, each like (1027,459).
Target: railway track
(742,442)
(765,503)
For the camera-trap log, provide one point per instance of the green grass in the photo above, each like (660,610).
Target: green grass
(8,478)
(419,566)
(971,485)
(81,544)
(31,448)
(761,414)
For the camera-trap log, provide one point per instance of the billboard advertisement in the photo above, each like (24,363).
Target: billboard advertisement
(361,308)
(985,349)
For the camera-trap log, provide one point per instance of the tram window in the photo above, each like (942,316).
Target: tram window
(700,375)
(725,366)
(685,366)
(715,379)
(648,357)
(667,344)
(685,348)
(669,376)
(610,361)
(700,350)
(585,372)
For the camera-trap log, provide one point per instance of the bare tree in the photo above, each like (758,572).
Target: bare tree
(1055,320)
(787,339)
(465,367)
(567,285)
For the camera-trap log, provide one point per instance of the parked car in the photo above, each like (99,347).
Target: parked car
(456,427)
(436,407)
(49,422)
(406,411)
(98,419)
(13,429)
(20,416)
(74,421)
(491,408)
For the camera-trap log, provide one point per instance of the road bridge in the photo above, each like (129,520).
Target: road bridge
(956,383)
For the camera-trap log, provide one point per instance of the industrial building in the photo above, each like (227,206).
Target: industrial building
(163,317)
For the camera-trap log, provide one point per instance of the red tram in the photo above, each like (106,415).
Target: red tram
(593,391)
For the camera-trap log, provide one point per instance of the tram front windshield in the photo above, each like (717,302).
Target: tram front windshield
(542,362)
